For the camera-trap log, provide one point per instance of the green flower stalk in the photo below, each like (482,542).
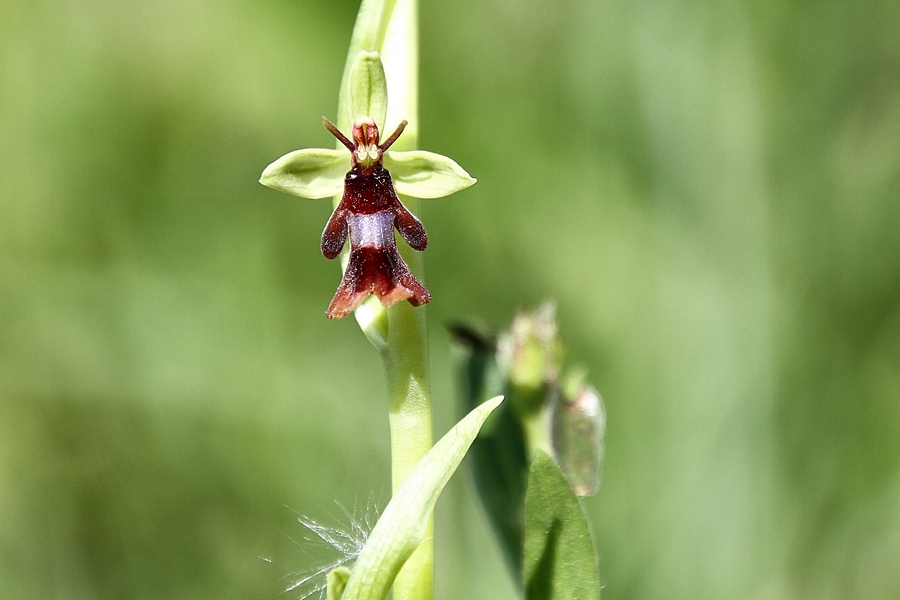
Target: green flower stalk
(367,176)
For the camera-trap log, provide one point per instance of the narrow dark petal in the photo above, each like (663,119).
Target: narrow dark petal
(338,134)
(393,137)
(335,233)
(410,228)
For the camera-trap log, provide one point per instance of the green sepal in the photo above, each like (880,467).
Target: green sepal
(309,173)
(367,89)
(423,174)
(403,523)
(337,582)
(559,562)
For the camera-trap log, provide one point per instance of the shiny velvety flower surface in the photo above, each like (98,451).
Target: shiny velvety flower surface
(368,213)
(368,178)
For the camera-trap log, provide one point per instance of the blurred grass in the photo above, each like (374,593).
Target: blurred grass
(710,191)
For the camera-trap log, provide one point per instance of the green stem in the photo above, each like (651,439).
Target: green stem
(406,354)
(406,366)
(391,28)
(537,432)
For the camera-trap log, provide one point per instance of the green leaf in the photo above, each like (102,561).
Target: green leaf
(499,466)
(498,459)
(367,88)
(337,582)
(424,174)
(308,173)
(559,557)
(402,526)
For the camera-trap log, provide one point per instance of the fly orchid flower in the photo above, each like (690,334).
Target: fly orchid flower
(369,209)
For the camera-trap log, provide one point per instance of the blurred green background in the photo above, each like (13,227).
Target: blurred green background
(709,190)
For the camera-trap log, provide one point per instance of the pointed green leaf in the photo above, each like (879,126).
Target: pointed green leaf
(559,557)
(308,173)
(424,174)
(367,88)
(402,526)
(498,458)
(337,582)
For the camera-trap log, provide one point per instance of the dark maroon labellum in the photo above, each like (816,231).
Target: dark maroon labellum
(368,213)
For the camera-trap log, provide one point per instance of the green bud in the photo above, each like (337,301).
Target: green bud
(372,318)
(531,352)
(367,89)
(544,413)
(579,425)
